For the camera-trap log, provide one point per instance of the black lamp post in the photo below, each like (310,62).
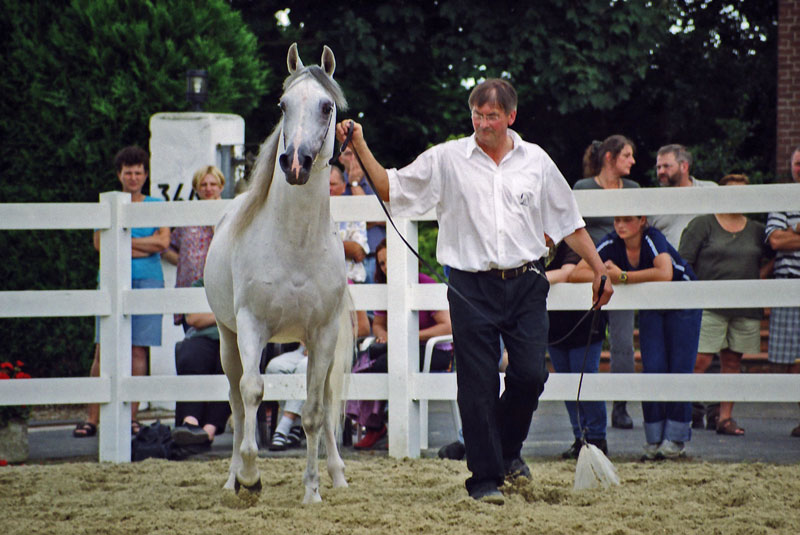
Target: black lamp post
(197,88)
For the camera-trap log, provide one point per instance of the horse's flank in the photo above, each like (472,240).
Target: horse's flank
(262,175)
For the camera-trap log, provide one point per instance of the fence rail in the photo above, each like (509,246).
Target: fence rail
(401,297)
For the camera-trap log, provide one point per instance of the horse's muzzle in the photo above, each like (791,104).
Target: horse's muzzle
(296,165)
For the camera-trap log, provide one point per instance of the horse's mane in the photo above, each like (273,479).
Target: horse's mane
(261,176)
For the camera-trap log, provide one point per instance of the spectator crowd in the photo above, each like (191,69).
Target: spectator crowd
(634,249)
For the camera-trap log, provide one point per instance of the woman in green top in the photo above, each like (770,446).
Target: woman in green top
(726,247)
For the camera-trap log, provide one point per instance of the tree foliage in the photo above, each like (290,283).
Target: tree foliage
(80,80)
(404,65)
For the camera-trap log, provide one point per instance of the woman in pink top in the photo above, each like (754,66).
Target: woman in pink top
(431,323)
(189,245)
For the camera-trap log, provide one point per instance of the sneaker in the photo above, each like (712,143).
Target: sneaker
(190,435)
(651,452)
(455,451)
(370,439)
(293,439)
(672,449)
(516,468)
(573,451)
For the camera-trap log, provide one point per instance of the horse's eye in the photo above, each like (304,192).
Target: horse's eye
(327,108)
(282,106)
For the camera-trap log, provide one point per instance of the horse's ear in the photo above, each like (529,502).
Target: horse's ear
(328,62)
(293,59)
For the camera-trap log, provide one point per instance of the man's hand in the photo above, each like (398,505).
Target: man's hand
(371,165)
(342,128)
(608,290)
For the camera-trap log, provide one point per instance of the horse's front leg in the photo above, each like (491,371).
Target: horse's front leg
(333,408)
(232,365)
(251,340)
(320,356)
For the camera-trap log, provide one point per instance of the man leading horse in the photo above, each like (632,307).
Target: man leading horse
(495,197)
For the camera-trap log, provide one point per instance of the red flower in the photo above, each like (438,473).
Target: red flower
(6,365)
(3,462)
(22,375)
(4,375)
(20,364)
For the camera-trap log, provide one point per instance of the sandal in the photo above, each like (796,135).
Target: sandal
(136,426)
(84,430)
(728,426)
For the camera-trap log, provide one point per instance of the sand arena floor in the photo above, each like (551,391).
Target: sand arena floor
(389,496)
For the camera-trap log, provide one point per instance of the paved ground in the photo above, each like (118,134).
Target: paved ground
(767,438)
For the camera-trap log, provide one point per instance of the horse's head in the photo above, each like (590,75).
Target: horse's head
(309,105)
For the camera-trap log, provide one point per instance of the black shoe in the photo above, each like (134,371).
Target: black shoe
(189,434)
(573,451)
(455,451)
(487,493)
(516,468)
(712,416)
(620,417)
(698,415)
(281,442)
(601,444)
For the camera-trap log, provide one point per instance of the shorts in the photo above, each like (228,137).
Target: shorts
(146,328)
(784,335)
(717,331)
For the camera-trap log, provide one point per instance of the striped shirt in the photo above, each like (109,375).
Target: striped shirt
(787,263)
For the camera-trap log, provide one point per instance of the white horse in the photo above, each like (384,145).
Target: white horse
(275,271)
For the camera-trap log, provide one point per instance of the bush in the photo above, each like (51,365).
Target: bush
(80,80)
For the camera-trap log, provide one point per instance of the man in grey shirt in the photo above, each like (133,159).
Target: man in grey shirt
(673,163)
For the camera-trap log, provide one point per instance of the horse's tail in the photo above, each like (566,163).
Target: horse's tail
(339,375)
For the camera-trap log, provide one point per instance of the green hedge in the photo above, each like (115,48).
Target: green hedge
(81,79)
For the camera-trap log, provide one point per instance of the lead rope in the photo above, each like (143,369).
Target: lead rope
(595,315)
(335,157)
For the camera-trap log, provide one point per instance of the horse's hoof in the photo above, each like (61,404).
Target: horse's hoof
(312,496)
(254,488)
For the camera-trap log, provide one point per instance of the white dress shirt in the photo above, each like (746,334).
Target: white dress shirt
(355,231)
(490,216)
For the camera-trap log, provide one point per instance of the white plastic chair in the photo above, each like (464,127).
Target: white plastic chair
(423,404)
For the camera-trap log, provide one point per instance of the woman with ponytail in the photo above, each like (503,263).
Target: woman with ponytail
(605,163)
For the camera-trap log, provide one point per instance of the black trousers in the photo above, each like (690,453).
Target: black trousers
(200,356)
(496,426)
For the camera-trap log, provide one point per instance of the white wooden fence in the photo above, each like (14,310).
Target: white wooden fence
(403,386)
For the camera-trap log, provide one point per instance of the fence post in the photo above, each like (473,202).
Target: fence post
(403,342)
(115,331)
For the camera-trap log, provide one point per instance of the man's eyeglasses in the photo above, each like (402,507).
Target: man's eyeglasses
(491,117)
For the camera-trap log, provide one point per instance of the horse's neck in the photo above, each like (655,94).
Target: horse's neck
(307,204)
(302,213)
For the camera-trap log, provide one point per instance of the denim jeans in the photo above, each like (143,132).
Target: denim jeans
(593,413)
(620,338)
(668,339)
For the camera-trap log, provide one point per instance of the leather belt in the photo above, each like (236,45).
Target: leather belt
(513,272)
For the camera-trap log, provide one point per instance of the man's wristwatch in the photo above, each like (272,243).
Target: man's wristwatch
(623,277)
(354,183)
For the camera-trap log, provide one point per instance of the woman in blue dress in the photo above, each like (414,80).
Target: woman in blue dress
(633,253)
